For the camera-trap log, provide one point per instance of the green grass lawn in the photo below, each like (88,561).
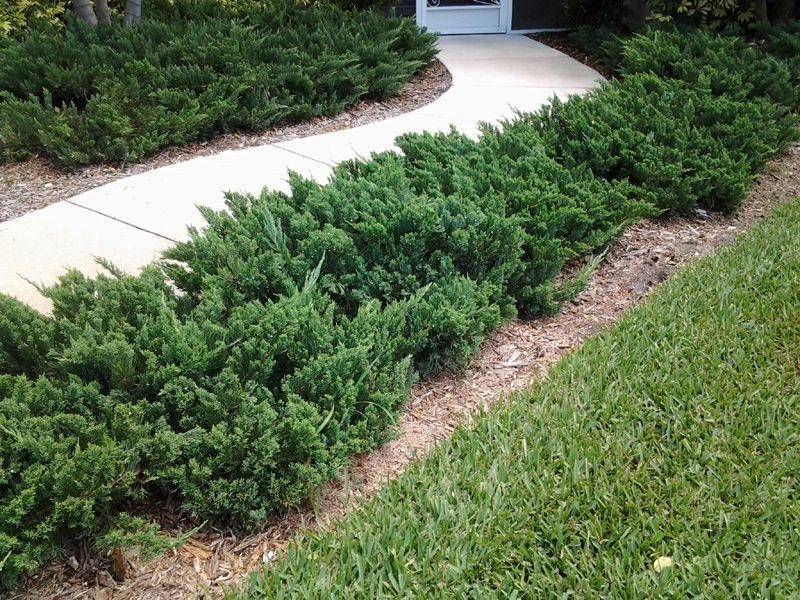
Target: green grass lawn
(676,434)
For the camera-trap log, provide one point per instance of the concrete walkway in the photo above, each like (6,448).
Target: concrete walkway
(130,221)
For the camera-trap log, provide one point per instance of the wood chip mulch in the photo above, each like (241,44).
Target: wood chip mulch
(562,43)
(644,257)
(35,183)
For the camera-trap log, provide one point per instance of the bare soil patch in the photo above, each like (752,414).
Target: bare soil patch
(35,183)
(643,258)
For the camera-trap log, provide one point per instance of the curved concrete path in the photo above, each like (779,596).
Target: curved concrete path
(130,221)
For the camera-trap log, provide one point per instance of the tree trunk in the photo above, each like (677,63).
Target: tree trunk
(133,12)
(762,16)
(635,13)
(103,16)
(84,11)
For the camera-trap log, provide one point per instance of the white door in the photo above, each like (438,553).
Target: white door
(464,16)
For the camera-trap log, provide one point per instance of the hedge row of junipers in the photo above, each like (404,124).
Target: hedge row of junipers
(192,70)
(673,438)
(243,370)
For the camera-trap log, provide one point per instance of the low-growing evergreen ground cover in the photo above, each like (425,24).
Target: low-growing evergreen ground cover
(191,70)
(608,46)
(675,435)
(243,370)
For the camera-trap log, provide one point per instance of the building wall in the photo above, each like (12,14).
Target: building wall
(537,14)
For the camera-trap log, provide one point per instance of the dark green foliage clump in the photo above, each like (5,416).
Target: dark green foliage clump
(69,454)
(25,339)
(724,64)
(240,410)
(694,116)
(679,143)
(784,44)
(593,13)
(118,94)
(483,227)
(248,366)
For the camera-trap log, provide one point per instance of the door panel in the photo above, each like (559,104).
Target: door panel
(463,16)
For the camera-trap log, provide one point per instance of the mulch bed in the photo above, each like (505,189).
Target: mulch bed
(562,43)
(521,351)
(35,183)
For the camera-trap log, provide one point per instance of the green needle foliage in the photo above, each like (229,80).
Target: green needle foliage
(676,434)
(117,94)
(694,116)
(241,411)
(678,143)
(244,369)
(482,228)
(725,64)
(784,43)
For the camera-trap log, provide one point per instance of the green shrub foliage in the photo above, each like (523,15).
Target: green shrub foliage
(25,339)
(725,64)
(245,368)
(484,227)
(784,44)
(721,14)
(16,15)
(708,13)
(677,143)
(241,411)
(601,42)
(120,94)
(695,115)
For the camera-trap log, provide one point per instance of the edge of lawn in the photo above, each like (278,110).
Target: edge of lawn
(675,434)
